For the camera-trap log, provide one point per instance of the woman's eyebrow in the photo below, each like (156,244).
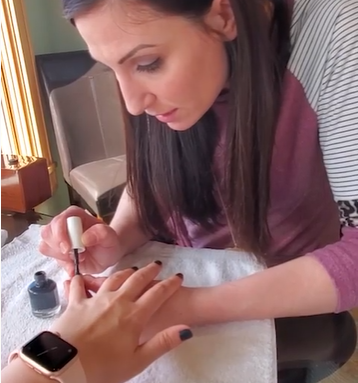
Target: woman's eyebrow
(134,51)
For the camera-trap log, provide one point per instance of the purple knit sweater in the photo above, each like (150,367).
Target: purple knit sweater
(314,175)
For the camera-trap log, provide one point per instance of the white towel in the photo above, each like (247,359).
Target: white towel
(227,353)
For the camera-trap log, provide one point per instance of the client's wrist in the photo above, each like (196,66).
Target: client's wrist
(19,371)
(64,328)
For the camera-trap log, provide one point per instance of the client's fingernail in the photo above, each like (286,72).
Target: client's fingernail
(135,268)
(180,275)
(158,263)
(185,334)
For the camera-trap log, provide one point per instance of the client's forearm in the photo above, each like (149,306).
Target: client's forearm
(296,288)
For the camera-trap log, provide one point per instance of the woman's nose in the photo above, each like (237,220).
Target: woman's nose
(137,106)
(136,99)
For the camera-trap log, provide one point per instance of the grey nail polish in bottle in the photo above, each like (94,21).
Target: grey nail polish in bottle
(43,293)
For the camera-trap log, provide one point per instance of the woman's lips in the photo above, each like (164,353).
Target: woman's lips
(166,117)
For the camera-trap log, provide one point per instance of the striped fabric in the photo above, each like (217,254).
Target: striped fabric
(328,32)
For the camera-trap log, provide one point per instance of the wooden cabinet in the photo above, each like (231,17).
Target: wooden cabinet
(25,182)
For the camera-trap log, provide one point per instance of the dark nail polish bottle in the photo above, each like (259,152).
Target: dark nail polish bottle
(44,298)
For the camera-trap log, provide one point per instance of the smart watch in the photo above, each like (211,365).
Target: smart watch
(50,355)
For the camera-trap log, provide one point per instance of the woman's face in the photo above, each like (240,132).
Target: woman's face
(167,66)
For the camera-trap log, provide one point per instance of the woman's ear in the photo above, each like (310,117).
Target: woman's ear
(221,19)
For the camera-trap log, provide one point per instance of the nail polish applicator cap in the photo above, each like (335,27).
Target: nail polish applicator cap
(75,230)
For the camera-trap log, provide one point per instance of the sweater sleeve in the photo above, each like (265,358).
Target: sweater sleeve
(338,133)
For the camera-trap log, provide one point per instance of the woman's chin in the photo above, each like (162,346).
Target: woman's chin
(181,125)
(178,126)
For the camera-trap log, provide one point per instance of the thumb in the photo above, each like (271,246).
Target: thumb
(162,343)
(100,234)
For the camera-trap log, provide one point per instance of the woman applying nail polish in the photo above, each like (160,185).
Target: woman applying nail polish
(241,133)
(79,348)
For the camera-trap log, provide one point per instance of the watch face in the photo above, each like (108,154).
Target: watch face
(49,351)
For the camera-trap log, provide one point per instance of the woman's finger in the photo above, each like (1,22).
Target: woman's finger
(100,234)
(116,280)
(60,234)
(162,343)
(47,235)
(66,288)
(77,289)
(68,266)
(59,237)
(65,261)
(53,252)
(58,225)
(134,286)
(154,297)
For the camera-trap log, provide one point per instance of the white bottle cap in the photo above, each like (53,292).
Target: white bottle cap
(75,230)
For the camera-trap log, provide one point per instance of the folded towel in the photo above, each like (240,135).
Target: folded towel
(226,353)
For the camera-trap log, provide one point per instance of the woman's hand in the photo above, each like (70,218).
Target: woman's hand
(106,328)
(101,242)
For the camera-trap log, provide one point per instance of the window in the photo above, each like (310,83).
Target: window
(23,129)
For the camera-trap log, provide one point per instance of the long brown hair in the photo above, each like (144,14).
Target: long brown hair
(170,173)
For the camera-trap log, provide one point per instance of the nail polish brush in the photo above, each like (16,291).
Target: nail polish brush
(75,231)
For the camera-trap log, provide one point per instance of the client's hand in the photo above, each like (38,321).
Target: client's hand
(106,327)
(174,311)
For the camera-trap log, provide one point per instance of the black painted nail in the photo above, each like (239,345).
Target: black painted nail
(158,263)
(135,268)
(180,275)
(185,334)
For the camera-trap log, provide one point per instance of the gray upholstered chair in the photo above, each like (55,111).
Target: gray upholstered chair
(82,97)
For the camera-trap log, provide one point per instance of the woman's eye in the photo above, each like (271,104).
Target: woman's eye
(151,67)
